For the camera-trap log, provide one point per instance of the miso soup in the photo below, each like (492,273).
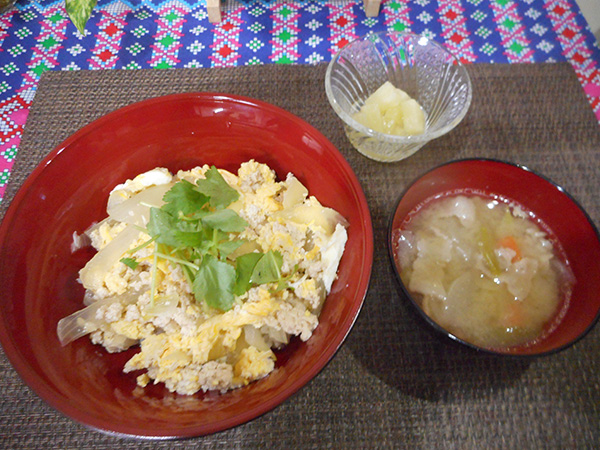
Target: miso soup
(484,270)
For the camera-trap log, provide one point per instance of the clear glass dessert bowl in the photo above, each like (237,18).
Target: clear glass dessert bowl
(422,68)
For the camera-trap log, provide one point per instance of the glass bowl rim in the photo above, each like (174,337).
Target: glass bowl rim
(389,138)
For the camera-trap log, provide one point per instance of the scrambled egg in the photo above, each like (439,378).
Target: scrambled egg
(188,345)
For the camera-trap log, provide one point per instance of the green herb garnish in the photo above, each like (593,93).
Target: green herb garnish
(129,262)
(214,186)
(195,230)
(485,244)
(268,268)
(260,268)
(245,265)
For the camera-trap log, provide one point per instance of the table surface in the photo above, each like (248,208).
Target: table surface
(393,384)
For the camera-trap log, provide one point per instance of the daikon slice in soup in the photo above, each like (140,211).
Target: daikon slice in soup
(484,270)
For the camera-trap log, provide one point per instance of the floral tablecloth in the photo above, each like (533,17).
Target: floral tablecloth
(37,36)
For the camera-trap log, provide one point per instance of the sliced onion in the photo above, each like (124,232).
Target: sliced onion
(79,241)
(278,336)
(84,321)
(135,210)
(314,214)
(163,304)
(255,338)
(92,275)
(295,193)
(331,254)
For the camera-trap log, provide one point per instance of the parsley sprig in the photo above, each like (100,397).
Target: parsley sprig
(195,230)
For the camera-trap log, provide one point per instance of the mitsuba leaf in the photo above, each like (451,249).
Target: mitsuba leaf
(168,230)
(225,220)
(214,186)
(183,198)
(268,268)
(189,238)
(161,226)
(227,247)
(204,246)
(245,265)
(79,12)
(214,283)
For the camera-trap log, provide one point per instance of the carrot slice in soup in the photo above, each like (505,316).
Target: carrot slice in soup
(510,242)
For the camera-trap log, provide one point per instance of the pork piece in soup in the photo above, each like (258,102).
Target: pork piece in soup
(484,270)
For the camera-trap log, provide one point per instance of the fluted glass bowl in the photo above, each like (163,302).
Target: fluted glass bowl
(419,66)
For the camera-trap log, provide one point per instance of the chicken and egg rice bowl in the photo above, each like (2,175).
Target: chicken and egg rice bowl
(208,272)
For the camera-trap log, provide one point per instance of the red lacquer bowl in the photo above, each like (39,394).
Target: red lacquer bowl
(68,191)
(567,221)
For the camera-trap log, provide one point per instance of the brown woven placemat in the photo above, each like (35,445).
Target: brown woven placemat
(393,384)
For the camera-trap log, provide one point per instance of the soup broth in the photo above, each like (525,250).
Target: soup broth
(483,270)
